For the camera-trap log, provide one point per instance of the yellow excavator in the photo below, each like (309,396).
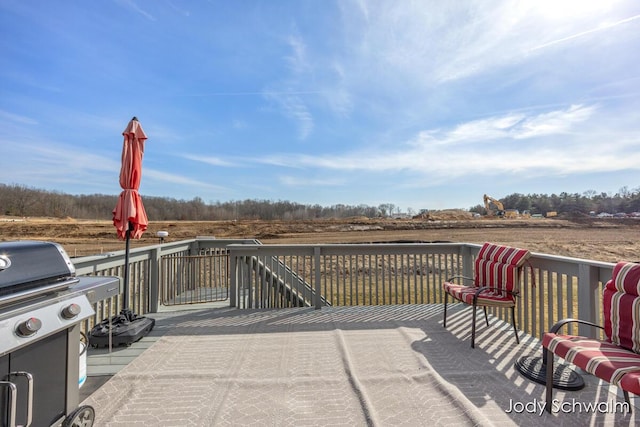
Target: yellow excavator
(494,207)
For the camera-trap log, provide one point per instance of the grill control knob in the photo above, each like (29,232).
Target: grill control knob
(29,327)
(70,311)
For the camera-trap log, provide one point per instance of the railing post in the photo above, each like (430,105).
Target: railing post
(467,262)
(154,279)
(316,278)
(194,248)
(233,291)
(587,298)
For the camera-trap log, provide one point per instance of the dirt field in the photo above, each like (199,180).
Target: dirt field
(603,240)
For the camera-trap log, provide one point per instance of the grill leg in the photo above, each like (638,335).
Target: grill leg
(73,367)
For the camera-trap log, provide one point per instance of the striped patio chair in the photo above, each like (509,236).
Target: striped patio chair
(497,273)
(616,359)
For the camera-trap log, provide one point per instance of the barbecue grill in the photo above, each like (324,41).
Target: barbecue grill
(42,303)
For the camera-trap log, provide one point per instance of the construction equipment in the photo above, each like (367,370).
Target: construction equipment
(511,213)
(493,206)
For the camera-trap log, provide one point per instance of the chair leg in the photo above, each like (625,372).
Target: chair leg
(626,399)
(549,382)
(473,326)
(513,321)
(486,317)
(446,299)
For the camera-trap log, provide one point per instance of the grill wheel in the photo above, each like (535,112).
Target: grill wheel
(84,416)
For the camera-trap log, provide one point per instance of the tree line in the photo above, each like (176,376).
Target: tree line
(572,204)
(22,201)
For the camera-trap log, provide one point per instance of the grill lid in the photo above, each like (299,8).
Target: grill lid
(27,264)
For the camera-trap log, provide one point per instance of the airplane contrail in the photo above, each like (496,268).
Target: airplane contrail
(583,33)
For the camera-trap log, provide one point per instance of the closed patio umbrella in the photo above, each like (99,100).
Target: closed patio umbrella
(129,216)
(130,220)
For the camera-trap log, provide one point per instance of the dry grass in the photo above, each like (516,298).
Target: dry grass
(603,240)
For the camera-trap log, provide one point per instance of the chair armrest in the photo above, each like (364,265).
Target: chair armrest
(488,288)
(459,277)
(555,328)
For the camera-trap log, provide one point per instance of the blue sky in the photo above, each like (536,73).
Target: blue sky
(422,104)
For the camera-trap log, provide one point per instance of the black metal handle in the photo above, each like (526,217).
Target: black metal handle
(29,394)
(13,396)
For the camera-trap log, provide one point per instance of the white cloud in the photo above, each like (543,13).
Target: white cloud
(435,42)
(239,124)
(293,107)
(297,60)
(213,161)
(16,118)
(47,164)
(516,126)
(498,145)
(555,122)
(130,4)
(401,54)
(295,181)
(174,179)
(287,93)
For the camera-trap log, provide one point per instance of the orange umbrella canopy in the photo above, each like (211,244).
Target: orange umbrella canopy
(129,213)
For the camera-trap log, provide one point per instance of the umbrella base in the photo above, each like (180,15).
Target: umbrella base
(123,329)
(535,369)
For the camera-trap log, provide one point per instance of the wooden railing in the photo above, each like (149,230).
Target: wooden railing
(279,276)
(377,274)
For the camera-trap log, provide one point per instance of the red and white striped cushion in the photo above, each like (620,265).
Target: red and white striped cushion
(605,360)
(490,298)
(497,267)
(503,254)
(631,382)
(621,300)
(616,360)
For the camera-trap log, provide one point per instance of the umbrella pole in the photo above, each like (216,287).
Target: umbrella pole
(125,301)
